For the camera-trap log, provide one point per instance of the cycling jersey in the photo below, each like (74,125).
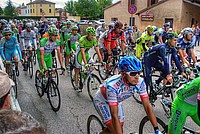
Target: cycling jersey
(142,42)
(157,34)
(86,44)
(103,36)
(129,37)
(185,104)
(99,31)
(48,47)
(73,39)
(64,31)
(164,34)
(10,48)
(112,92)
(112,37)
(154,58)
(15,32)
(183,44)
(26,37)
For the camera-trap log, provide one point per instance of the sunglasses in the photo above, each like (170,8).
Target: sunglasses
(8,34)
(133,74)
(55,35)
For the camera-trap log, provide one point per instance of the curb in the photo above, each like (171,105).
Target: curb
(14,104)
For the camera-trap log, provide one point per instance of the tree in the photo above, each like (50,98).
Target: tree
(87,8)
(1,11)
(101,5)
(69,7)
(10,9)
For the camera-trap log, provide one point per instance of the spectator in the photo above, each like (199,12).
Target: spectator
(136,33)
(15,122)
(5,84)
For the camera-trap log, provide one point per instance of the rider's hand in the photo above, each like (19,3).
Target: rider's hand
(169,78)
(42,71)
(86,67)
(22,61)
(184,75)
(63,68)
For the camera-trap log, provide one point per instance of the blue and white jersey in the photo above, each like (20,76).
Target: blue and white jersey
(183,44)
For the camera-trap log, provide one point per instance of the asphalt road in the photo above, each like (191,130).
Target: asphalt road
(76,108)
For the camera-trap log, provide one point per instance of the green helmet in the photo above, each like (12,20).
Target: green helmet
(90,30)
(149,28)
(52,30)
(74,28)
(68,22)
(12,25)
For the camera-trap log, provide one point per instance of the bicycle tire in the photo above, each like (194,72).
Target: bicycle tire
(15,81)
(72,74)
(89,124)
(103,73)
(96,60)
(34,57)
(53,87)
(55,77)
(92,89)
(30,68)
(161,125)
(136,97)
(39,88)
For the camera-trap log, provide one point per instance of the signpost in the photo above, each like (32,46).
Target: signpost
(132,9)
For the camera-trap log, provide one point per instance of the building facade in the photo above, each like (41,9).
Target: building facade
(180,13)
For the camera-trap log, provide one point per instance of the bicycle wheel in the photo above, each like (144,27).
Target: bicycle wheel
(137,98)
(93,85)
(38,84)
(103,73)
(15,81)
(30,68)
(55,76)
(146,127)
(53,95)
(96,60)
(94,125)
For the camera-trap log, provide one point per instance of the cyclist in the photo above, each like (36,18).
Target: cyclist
(114,90)
(100,30)
(129,36)
(85,43)
(158,35)
(185,42)
(146,40)
(28,41)
(186,103)
(111,42)
(10,49)
(73,38)
(165,30)
(15,30)
(47,45)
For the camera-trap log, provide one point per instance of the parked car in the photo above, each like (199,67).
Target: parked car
(101,20)
(82,22)
(72,21)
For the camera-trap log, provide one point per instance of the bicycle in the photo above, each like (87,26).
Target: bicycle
(47,84)
(92,80)
(28,62)
(13,75)
(94,125)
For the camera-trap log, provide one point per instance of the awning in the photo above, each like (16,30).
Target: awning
(193,2)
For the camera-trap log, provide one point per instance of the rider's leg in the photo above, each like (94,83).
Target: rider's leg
(8,68)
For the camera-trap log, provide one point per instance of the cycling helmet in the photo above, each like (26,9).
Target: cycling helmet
(171,35)
(129,63)
(129,29)
(12,25)
(6,30)
(149,28)
(33,24)
(68,22)
(166,25)
(28,25)
(111,24)
(118,24)
(90,30)
(74,28)
(187,31)
(53,30)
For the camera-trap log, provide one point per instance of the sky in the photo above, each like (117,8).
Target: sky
(59,3)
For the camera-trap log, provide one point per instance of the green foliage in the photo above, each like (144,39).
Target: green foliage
(1,11)
(69,7)
(10,9)
(103,4)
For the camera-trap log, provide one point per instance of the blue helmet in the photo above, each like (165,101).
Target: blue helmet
(129,29)
(129,63)
(6,30)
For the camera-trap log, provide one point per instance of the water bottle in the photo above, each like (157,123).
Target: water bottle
(166,102)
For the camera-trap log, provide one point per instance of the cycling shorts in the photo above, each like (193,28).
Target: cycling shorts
(9,54)
(47,62)
(104,111)
(73,46)
(79,59)
(180,111)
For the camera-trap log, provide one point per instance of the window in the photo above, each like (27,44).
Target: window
(131,2)
(49,10)
(170,21)
(49,5)
(40,10)
(151,2)
(41,5)
(114,19)
(132,21)
(28,10)
(33,10)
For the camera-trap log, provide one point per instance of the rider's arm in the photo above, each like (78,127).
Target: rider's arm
(109,43)
(176,60)
(42,56)
(2,49)
(198,99)
(34,40)
(59,53)
(18,49)
(22,38)
(115,120)
(97,51)
(83,55)
(164,57)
